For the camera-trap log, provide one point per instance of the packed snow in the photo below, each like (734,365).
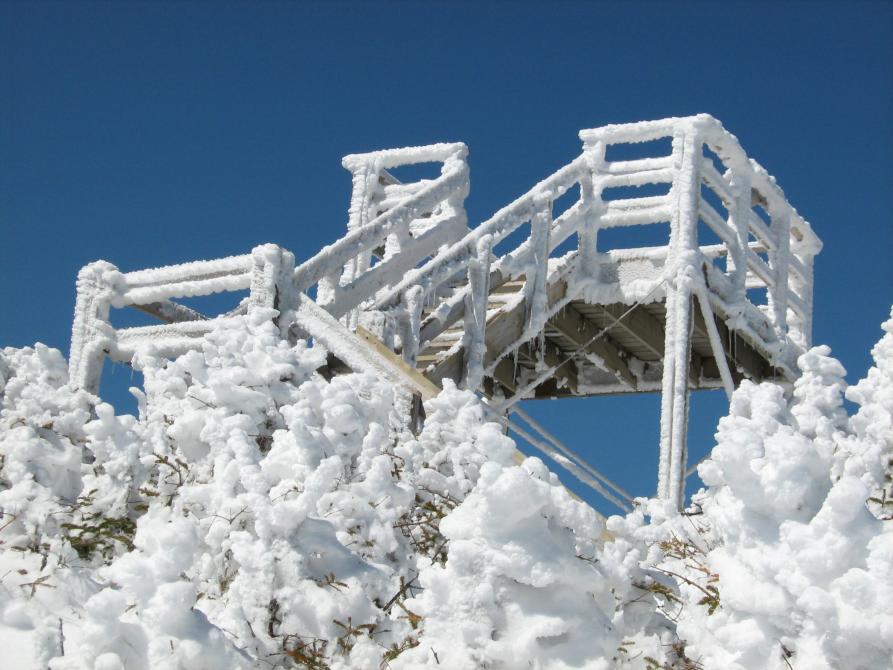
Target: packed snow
(258,515)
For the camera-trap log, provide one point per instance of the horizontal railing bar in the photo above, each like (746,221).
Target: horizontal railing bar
(379,276)
(170,312)
(632,179)
(762,232)
(338,254)
(799,269)
(759,267)
(616,217)
(717,224)
(182,289)
(392,158)
(715,181)
(797,303)
(638,165)
(181,329)
(644,202)
(168,347)
(631,133)
(195,270)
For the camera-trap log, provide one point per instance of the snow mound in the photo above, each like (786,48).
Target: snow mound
(258,515)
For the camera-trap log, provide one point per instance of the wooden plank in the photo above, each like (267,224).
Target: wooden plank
(639,323)
(426,388)
(575,327)
(549,390)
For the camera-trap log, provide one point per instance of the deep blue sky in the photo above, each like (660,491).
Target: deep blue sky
(154,133)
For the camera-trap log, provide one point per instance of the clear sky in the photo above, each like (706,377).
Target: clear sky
(154,133)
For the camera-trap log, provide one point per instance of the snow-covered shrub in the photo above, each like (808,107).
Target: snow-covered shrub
(256,515)
(786,558)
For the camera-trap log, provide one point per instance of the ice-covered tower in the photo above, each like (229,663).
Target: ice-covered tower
(661,259)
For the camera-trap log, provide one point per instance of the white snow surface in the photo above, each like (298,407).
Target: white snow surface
(256,515)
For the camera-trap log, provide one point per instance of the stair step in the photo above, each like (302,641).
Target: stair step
(509,287)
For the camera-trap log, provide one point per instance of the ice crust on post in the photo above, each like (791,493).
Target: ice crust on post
(256,515)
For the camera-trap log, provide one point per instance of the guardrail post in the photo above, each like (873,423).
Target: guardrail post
(272,283)
(590,194)
(91,335)
(364,178)
(535,286)
(476,313)
(739,213)
(410,322)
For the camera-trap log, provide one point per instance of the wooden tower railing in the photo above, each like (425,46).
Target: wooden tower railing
(535,302)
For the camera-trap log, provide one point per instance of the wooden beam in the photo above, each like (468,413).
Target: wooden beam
(169,311)
(422,384)
(504,373)
(553,357)
(549,391)
(746,359)
(575,327)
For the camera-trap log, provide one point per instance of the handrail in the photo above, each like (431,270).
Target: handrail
(787,275)
(362,239)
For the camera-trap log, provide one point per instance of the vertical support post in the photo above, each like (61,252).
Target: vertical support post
(91,334)
(680,395)
(476,313)
(410,324)
(271,283)
(667,398)
(590,194)
(682,271)
(535,286)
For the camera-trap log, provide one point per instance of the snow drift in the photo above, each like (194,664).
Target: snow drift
(257,515)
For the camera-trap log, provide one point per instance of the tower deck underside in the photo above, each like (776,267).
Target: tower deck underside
(589,347)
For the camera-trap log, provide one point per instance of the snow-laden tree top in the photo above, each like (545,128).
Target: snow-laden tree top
(256,515)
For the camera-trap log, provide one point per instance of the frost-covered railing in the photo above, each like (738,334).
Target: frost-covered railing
(101,286)
(731,230)
(409,269)
(729,211)
(392,226)
(716,194)
(456,282)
